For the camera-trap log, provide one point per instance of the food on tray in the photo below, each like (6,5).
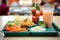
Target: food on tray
(38,29)
(42,24)
(11,26)
(19,25)
(25,20)
(23,24)
(27,23)
(10,23)
(15,28)
(17,20)
(30,23)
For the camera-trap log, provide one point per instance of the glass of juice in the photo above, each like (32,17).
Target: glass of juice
(48,16)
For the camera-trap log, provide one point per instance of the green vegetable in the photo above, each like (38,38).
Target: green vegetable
(42,24)
(10,23)
(17,22)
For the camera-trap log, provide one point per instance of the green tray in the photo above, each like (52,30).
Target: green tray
(53,31)
(57,27)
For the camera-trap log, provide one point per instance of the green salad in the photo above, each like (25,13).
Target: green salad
(42,24)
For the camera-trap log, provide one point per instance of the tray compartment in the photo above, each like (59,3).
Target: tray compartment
(49,32)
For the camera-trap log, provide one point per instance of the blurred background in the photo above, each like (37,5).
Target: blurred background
(18,6)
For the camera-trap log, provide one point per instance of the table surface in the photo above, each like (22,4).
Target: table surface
(56,19)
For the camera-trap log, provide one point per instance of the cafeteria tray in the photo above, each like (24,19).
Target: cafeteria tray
(53,31)
(58,28)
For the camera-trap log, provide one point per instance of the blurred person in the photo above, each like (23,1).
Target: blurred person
(4,9)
